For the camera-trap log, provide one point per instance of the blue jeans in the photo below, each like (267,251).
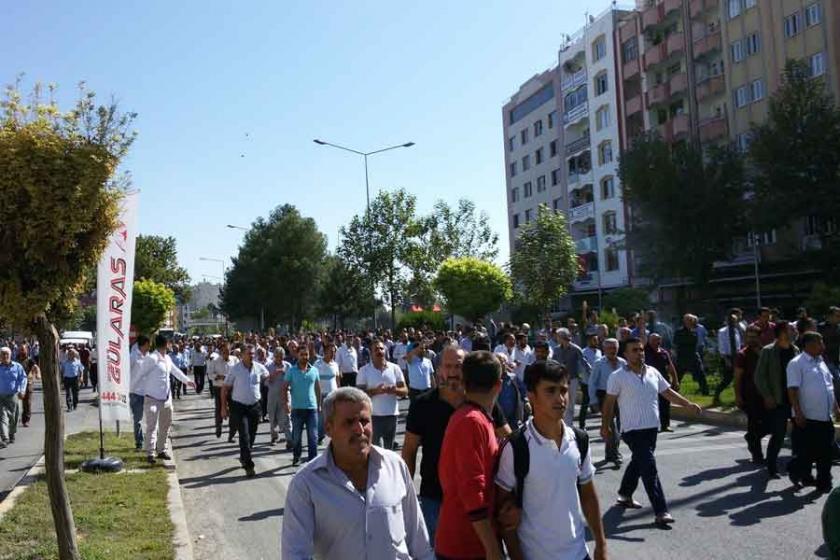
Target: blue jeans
(642,444)
(308,416)
(321,419)
(431,511)
(135,401)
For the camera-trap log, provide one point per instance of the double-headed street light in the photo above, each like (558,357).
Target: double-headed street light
(367,181)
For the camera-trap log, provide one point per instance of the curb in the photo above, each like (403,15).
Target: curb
(181,540)
(31,476)
(735,419)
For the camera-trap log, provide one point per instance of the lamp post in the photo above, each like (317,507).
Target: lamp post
(367,184)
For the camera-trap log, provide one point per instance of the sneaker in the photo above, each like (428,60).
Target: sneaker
(250,472)
(664,519)
(2,444)
(628,502)
(295,461)
(164,455)
(26,424)
(668,429)
(11,439)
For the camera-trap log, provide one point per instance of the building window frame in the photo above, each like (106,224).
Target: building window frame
(541,183)
(526,162)
(601,83)
(538,156)
(607,187)
(538,128)
(527,190)
(515,219)
(793,24)
(813,14)
(736,49)
(523,136)
(602,117)
(599,48)
(556,175)
(605,152)
(816,63)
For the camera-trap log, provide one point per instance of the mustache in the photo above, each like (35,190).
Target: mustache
(359,439)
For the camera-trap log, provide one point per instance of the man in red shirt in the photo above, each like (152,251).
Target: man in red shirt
(467,460)
(766,326)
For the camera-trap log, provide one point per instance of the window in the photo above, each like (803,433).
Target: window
(813,14)
(541,183)
(610,223)
(607,188)
(537,128)
(765,238)
(555,177)
(602,118)
(515,221)
(605,154)
(749,4)
(523,137)
(529,105)
(630,50)
(612,258)
(552,118)
(818,64)
(552,148)
(601,84)
(734,8)
(526,163)
(793,24)
(513,169)
(757,90)
(511,143)
(514,194)
(599,49)
(742,142)
(815,225)
(737,49)
(742,96)
(753,44)
(557,204)
(538,156)
(528,189)
(528,216)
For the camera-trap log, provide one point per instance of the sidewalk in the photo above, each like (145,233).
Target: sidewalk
(18,458)
(715,416)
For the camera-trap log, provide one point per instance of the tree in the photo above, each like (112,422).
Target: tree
(544,263)
(276,272)
(627,301)
(150,303)
(472,287)
(687,206)
(156,258)
(344,293)
(59,196)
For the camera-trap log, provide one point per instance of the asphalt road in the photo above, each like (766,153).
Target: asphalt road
(724,507)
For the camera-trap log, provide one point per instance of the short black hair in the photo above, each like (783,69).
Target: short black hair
(160,341)
(763,310)
(781,327)
(481,342)
(142,340)
(809,337)
(632,340)
(482,370)
(548,370)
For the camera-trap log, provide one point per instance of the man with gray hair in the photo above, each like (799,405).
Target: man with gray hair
(570,355)
(601,371)
(12,389)
(363,494)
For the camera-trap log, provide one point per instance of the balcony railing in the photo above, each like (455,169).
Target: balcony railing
(630,70)
(576,114)
(713,129)
(652,16)
(674,129)
(676,43)
(655,55)
(577,177)
(678,82)
(577,145)
(710,86)
(708,44)
(573,81)
(633,105)
(582,212)
(659,94)
(586,280)
(586,245)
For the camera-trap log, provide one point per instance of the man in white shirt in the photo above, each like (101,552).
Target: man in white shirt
(217,370)
(241,391)
(523,356)
(384,382)
(198,362)
(348,363)
(730,341)
(811,391)
(154,372)
(636,388)
(328,380)
(399,352)
(136,394)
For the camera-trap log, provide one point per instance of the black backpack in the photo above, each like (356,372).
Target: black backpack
(522,456)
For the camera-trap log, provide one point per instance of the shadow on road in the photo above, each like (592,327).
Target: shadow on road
(260,515)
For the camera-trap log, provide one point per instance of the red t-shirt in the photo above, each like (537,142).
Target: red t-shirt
(467,461)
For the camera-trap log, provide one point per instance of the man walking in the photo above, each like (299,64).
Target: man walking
(747,397)
(241,389)
(830,331)
(355,500)
(598,380)
(636,387)
(33,372)
(198,361)
(421,373)
(327,381)
(811,392)
(279,419)
(12,389)
(660,358)
(384,382)
(729,344)
(571,357)
(348,363)
(591,354)
(687,345)
(71,373)
(136,392)
(302,381)
(218,370)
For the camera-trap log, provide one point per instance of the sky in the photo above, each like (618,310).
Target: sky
(230,95)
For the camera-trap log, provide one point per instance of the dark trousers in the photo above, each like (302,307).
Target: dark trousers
(728,376)
(612,442)
(94,377)
(757,428)
(26,415)
(175,386)
(71,392)
(348,379)
(263,400)
(384,431)
(584,405)
(697,372)
(664,412)
(246,418)
(217,407)
(414,393)
(200,373)
(777,420)
(812,444)
(309,418)
(642,444)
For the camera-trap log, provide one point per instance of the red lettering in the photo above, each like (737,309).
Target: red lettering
(118,285)
(118,266)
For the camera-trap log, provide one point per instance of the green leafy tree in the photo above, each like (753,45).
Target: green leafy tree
(472,287)
(59,198)
(150,303)
(822,297)
(156,258)
(344,294)
(544,262)
(277,270)
(688,206)
(626,301)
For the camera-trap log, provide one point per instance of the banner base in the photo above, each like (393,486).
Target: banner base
(104,465)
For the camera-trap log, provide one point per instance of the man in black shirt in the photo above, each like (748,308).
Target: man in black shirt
(426,424)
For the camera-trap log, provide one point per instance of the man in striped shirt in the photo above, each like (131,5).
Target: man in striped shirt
(636,388)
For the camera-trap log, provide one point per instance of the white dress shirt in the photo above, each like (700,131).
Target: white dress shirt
(370,377)
(218,368)
(135,356)
(155,370)
(347,359)
(816,388)
(399,352)
(723,341)
(638,396)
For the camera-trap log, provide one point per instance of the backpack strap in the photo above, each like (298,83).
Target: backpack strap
(521,461)
(582,441)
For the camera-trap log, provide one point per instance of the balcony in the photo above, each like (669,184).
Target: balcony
(655,54)
(581,213)
(630,70)
(652,16)
(675,129)
(711,86)
(586,245)
(573,81)
(578,144)
(707,45)
(586,281)
(672,5)
(713,129)
(633,105)
(676,43)
(627,30)
(678,83)
(699,6)
(577,177)
(659,94)
(574,115)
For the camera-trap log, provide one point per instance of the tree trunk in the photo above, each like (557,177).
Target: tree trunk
(65,527)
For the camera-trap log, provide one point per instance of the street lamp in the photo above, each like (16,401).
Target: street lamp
(367,181)
(230,226)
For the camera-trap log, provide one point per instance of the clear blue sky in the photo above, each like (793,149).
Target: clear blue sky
(366,74)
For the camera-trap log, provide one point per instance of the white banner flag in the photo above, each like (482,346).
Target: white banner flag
(114,281)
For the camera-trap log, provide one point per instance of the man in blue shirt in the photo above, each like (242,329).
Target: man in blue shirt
(71,369)
(421,373)
(302,379)
(12,389)
(180,361)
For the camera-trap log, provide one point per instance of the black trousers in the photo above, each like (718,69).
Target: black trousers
(71,392)
(200,373)
(584,405)
(812,444)
(348,379)
(263,400)
(217,407)
(726,379)
(94,376)
(777,420)
(664,413)
(757,428)
(697,371)
(175,385)
(246,418)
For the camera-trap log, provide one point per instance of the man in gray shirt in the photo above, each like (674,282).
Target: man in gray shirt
(364,495)
(571,356)
(278,399)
